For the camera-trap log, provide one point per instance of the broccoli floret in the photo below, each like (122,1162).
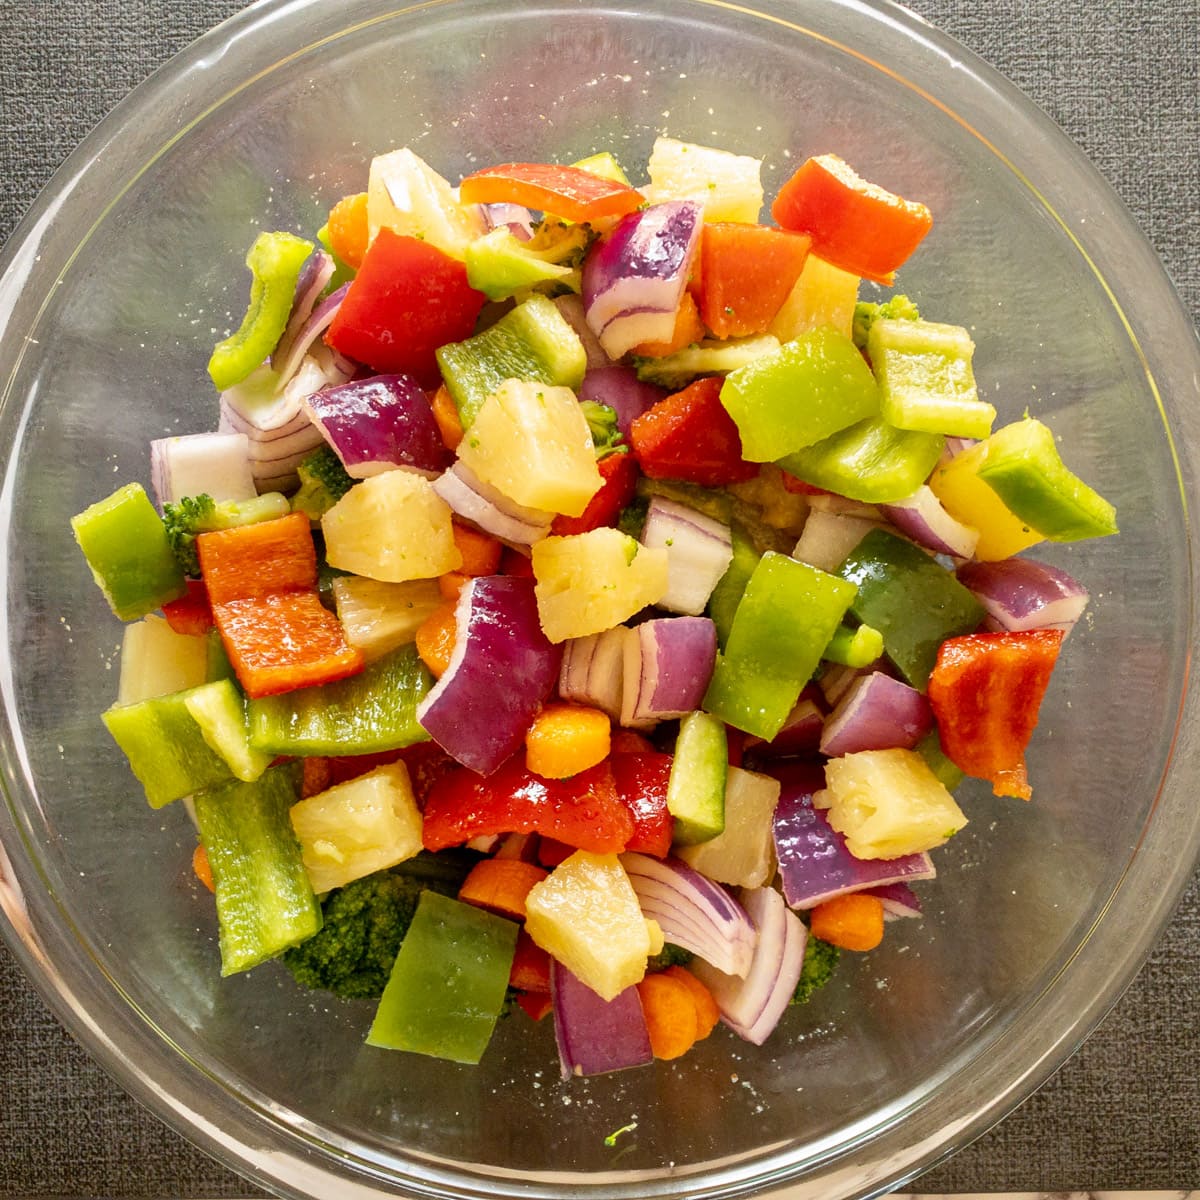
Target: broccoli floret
(898,308)
(632,518)
(820,959)
(602,425)
(365,922)
(669,956)
(202,514)
(323,482)
(553,241)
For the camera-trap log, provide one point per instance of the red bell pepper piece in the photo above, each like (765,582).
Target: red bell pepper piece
(262,582)
(567,192)
(536,1004)
(191,613)
(746,273)
(530,970)
(641,781)
(407,299)
(985,691)
(629,741)
(690,436)
(584,811)
(513,562)
(620,474)
(854,224)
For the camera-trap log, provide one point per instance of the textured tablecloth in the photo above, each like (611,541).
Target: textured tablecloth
(1121,77)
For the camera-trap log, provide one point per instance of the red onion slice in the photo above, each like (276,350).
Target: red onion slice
(516,218)
(571,307)
(594,1035)
(593,669)
(922,518)
(1021,594)
(485,507)
(501,671)
(898,900)
(314,325)
(693,912)
(752,1006)
(699,551)
(666,670)
(814,864)
(213,464)
(633,280)
(619,387)
(314,277)
(876,713)
(800,734)
(379,424)
(828,537)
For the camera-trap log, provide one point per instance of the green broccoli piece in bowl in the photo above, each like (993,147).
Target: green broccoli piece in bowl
(669,956)
(323,482)
(194,515)
(897,308)
(353,952)
(820,959)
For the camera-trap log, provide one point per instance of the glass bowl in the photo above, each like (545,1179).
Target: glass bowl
(113,291)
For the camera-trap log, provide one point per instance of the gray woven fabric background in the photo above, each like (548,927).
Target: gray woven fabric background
(1121,77)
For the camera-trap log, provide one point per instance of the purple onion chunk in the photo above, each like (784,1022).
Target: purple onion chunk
(1020,594)
(287,363)
(877,713)
(593,669)
(923,519)
(668,663)
(814,864)
(898,900)
(594,1035)
(800,734)
(501,672)
(699,551)
(752,1006)
(693,911)
(633,280)
(619,387)
(314,277)
(487,509)
(378,424)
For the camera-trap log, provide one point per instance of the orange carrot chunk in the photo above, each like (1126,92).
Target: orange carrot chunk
(445,413)
(435,639)
(348,233)
(707,1012)
(530,967)
(853,922)
(200,867)
(480,551)
(501,885)
(670,1013)
(565,739)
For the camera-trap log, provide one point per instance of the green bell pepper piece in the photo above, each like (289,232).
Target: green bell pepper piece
(448,983)
(925,377)
(696,786)
(265,903)
(369,712)
(275,261)
(533,342)
(911,599)
(930,749)
(872,461)
(166,746)
(785,620)
(727,595)
(710,357)
(1022,466)
(498,265)
(605,165)
(807,390)
(858,647)
(125,543)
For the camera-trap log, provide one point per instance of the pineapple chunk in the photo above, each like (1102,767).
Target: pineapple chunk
(378,617)
(744,853)
(585,913)
(532,444)
(156,661)
(393,527)
(823,295)
(888,803)
(405,194)
(968,499)
(728,185)
(358,827)
(590,582)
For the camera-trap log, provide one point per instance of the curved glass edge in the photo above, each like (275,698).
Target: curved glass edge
(34,245)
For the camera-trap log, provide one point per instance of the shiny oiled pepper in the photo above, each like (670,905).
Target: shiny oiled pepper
(785,619)
(986,690)
(275,260)
(642,780)
(447,985)
(583,811)
(911,599)
(569,192)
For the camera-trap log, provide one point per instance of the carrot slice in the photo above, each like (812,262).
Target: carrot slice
(565,739)
(348,231)
(480,551)
(853,922)
(435,639)
(445,413)
(670,1013)
(748,272)
(530,967)
(501,885)
(200,867)
(707,1012)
